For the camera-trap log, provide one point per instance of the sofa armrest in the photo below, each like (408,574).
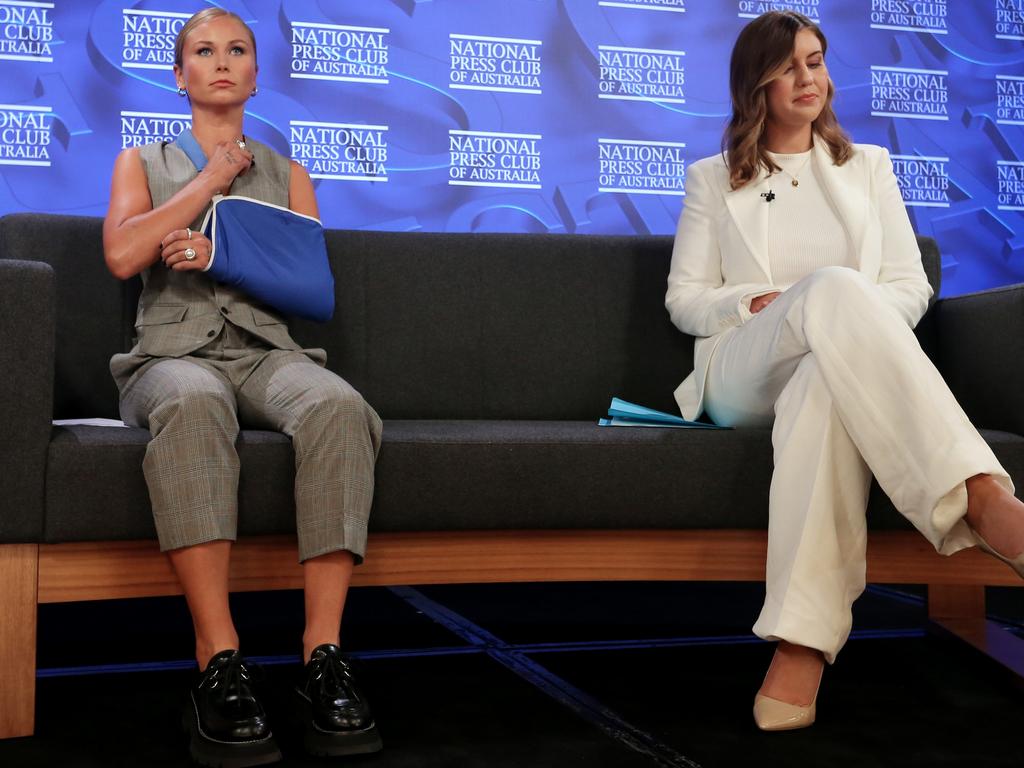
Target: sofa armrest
(981,355)
(27,323)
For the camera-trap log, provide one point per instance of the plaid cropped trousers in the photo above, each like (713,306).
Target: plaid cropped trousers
(193,406)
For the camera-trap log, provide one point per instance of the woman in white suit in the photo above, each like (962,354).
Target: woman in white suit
(796,268)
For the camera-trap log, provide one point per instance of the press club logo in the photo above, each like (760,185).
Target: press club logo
(138,128)
(25,134)
(641,74)
(501,64)
(340,151)
(1010,174)
(910,16)
(1010,19)
(641,167)
(923,181)
(26,31)
(338,52)
(751,9)
(1009,100)
(493,159)
(149,38)
(674,6)
(922,94)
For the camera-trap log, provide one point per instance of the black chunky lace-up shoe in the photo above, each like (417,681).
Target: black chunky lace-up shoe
(226,724)
(338,719)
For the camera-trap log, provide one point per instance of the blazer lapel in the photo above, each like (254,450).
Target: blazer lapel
(749,211)
(846,191)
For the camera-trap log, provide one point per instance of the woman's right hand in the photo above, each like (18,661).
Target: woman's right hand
(179,244)
(760,302)
(228,161)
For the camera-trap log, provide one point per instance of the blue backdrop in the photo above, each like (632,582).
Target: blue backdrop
(526,115)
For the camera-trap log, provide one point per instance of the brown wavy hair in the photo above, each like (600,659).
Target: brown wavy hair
(201,17)
(761,48)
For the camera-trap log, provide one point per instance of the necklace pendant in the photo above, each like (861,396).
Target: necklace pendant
(795,183)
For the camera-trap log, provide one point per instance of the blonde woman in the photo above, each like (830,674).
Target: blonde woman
(796,268)
(207,357)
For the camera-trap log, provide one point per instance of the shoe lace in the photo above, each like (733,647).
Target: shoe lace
(230,679)
(334,678)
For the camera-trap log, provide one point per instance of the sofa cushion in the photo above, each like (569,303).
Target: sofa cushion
(568,474)
(95,489)
(465,475)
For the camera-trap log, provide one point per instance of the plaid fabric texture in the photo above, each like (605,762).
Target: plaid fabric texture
(206,357)
(193,406)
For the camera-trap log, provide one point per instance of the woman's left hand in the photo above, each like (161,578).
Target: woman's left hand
(762,301)
(185,249)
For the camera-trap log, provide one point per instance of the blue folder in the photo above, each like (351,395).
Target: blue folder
(622,413)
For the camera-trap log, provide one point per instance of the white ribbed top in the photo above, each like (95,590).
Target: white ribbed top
(804,232)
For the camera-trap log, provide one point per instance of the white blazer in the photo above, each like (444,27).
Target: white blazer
(720,256)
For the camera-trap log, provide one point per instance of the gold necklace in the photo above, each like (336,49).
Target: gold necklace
(794,178)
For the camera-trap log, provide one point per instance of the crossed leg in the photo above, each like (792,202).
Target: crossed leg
(850,393)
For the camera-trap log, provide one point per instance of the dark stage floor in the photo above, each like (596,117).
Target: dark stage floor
(539,675)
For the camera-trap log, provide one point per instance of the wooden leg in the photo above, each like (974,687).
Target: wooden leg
(959,610)
(18,581)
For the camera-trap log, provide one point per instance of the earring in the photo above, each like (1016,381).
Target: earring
(254,90)
(182,92)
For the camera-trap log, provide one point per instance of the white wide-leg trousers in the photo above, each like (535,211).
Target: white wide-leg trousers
(852,394)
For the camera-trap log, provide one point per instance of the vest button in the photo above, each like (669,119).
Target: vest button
(211,334)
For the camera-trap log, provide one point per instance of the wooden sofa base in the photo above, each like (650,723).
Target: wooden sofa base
(57,573)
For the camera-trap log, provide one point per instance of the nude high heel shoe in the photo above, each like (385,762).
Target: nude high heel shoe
(774,715)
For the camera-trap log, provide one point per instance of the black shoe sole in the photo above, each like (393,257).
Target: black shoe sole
(335,743)
(321,743)
(226,754)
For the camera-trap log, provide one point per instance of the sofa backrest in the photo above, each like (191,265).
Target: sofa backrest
(92,306)
(486,326)
(470,326)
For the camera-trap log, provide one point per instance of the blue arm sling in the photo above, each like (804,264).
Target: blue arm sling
(271,253)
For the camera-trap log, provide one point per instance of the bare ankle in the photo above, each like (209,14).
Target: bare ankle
(311,641)
(802,652)
(206,650)
(982,491)
(793,674)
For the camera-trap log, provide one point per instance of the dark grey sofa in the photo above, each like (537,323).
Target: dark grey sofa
(490,358)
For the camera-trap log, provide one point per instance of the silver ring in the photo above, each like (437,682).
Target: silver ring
(240,143)
(190,254)
(189,231)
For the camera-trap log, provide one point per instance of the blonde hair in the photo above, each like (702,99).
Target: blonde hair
(201,17)
(761,48)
